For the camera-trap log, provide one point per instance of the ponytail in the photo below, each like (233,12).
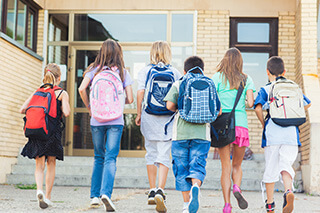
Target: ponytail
(51,74)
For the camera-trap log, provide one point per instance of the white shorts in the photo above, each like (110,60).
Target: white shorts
(158,152)
(279,158)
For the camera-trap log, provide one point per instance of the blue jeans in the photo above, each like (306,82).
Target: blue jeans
(189,161)
(106,143)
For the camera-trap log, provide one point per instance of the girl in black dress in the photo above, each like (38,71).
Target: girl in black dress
(51,149)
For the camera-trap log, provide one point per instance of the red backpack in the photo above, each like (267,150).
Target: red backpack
(41,114)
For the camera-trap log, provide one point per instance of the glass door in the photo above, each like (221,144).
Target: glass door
(132,144)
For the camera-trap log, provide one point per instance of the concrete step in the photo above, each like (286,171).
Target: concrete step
(135,182)
(213,170)
(131,172)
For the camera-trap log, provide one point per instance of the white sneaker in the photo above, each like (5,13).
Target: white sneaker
(185,210)
(49,202)
(95,202)
(41,199)
(107,203)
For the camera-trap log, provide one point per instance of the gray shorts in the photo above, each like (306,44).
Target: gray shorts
(158,152)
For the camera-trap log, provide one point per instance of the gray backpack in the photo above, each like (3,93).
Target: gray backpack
(286,103)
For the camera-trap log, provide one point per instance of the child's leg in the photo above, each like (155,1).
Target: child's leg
(186,196)
(51,172)
(163,173)
(269,190)
(196,181)
(287,180)
(226,172)
(151,148)
(238,154)
(152,175)
(164,162)
(39,172)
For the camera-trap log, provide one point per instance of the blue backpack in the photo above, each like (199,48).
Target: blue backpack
(197,102)
(158,83)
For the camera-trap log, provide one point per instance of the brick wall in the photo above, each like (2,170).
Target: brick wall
(21,74)
(40,32)
(212,37)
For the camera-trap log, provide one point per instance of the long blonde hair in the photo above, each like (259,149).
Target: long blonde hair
(110,55)
(231,68)
(51,74)
(160,52)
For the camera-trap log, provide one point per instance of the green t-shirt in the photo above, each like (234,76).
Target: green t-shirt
(227,98)
(183,130)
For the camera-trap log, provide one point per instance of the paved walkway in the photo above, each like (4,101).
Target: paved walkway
(76,199)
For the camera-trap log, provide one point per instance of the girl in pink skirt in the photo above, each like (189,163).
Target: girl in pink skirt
(227,81)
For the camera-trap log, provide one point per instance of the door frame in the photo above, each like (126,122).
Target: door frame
(69,150)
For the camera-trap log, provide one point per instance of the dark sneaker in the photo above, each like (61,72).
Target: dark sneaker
(288,199)
(242,203)
(194,199)
(270,207)
(151,195)
(160,200)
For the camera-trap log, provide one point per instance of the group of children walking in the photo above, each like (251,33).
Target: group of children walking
(174,113)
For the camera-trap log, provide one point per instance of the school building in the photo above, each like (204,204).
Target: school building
(69,33)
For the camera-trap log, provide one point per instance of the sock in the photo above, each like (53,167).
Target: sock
(185,205)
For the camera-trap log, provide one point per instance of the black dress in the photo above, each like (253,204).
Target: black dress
(51,147)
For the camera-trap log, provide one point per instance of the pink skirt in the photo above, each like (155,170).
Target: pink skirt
(242,136)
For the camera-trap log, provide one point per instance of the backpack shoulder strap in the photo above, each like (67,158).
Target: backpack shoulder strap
(239,93)
(59,94)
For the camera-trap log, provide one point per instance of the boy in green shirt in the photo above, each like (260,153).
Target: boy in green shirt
(190,146)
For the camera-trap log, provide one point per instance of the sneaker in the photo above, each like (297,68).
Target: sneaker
(160,200)
(242,203)
(194,199)
(41,199)
(49,202)
(288,199)
(151,195)
(227,208)
(185,210)
(95,202)
(107,203)
(270,207)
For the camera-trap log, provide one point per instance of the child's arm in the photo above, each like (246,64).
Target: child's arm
(25,105)
(140,95)
(250,98)
(65,104)
(259,113)
(83,91)
(171,106)
(129,94)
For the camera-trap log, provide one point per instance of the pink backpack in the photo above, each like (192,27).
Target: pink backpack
(107,96)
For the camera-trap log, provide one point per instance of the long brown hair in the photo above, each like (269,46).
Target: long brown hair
(110,55)
(51,74)
(231,68)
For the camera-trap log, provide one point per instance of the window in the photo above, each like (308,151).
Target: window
(18,21)
(257,39)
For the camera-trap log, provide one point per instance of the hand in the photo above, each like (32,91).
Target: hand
(138,120)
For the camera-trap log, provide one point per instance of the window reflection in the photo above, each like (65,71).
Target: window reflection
(11,19)
(30,29)
(179,55)
(182,28)
(58,27)
(253,32)
(131,137)
(255,65)
(21,22)
(121,27)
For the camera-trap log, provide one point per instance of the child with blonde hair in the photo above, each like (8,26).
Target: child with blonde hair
(48,148)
